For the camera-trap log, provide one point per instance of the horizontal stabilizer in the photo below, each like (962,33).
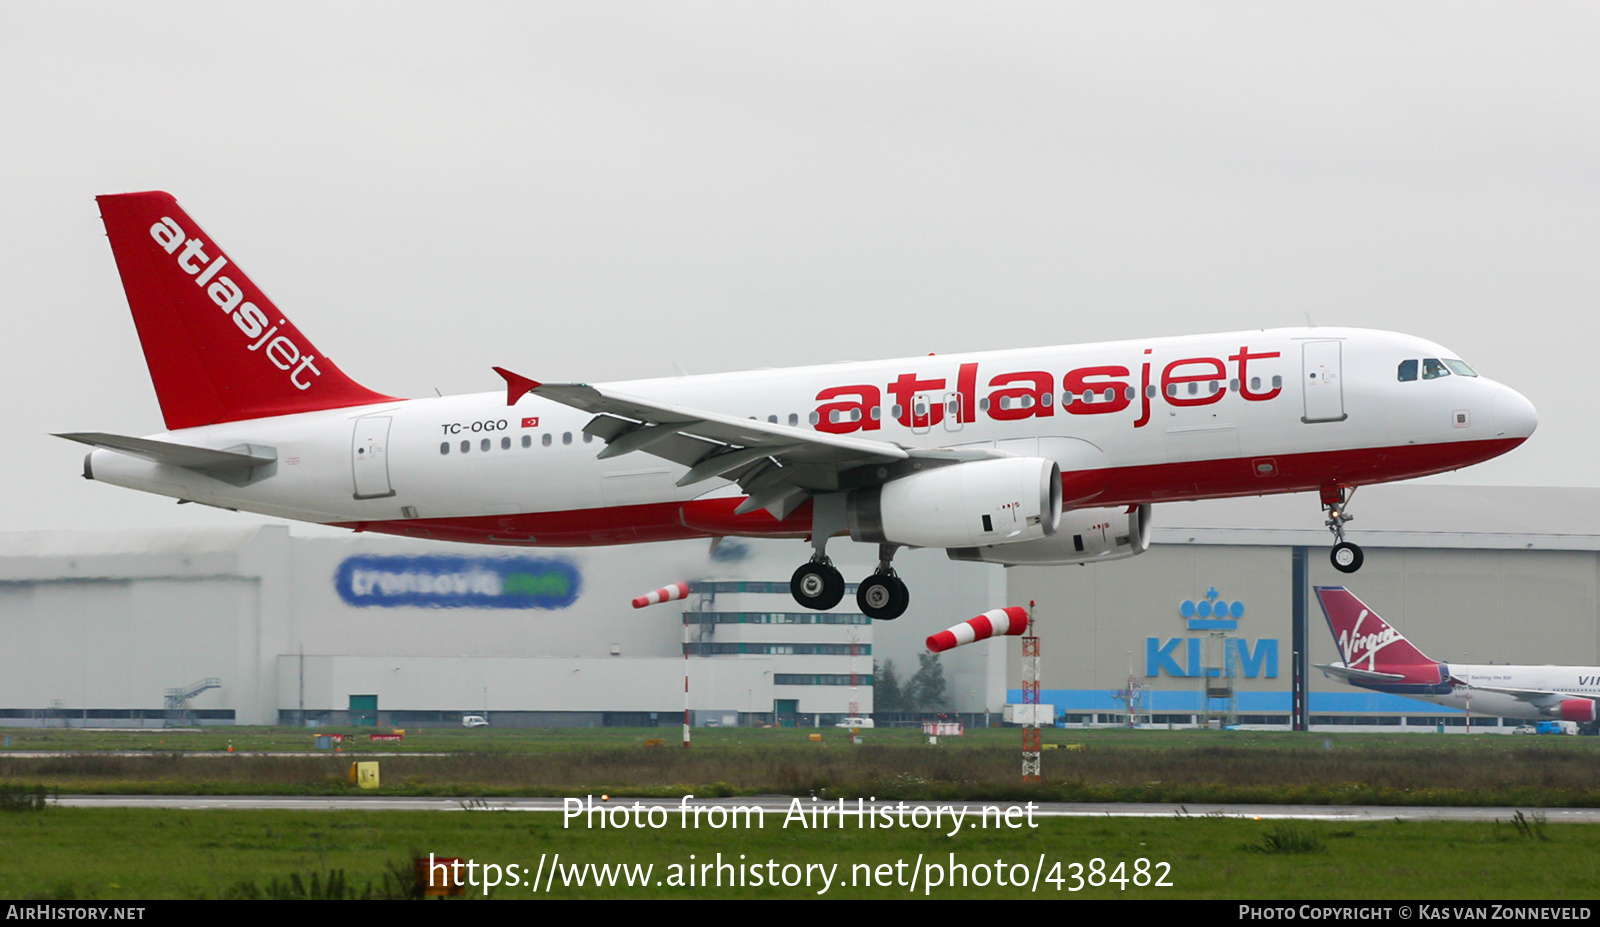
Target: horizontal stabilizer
(244,457)
(1351,674)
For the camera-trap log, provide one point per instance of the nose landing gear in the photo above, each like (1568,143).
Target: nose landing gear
(1345,556)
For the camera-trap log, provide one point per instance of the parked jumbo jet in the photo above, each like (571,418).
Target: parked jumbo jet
(1030,456)
(1378,657)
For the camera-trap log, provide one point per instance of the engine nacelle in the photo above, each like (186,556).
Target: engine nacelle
(1084,535)
(997,501)
(1580,710)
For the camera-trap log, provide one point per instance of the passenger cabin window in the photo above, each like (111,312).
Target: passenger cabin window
(1408,370)
(1433,368)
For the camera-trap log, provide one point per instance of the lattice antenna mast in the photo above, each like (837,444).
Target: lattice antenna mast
(855,679)
(1031,748)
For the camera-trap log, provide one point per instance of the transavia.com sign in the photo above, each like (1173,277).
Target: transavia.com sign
(457,582)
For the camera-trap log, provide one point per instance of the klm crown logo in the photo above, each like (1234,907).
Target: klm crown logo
(1181,656)
(1211,614)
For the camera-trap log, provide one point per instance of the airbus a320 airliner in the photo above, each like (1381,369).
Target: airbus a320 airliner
(1031,456)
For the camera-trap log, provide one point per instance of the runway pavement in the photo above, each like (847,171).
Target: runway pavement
(779,804)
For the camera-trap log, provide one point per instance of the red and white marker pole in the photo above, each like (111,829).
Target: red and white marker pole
(665,594)
(993,623)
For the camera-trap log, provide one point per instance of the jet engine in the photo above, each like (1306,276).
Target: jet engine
(1005,500)
(1083,535)
(1580,710)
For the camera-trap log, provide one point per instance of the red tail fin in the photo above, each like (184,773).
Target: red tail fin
(218,349)
(1365,640)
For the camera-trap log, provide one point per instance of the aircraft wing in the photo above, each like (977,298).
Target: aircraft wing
(1537,697)
(777,466)
(1356,676)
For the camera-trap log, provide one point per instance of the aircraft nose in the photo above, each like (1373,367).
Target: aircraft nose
(1514,415)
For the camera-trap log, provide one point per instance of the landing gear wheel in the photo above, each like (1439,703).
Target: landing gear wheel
(817,585)
(1346,557)
(883,596)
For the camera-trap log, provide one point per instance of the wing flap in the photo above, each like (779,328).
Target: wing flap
(806,445)
(778,466)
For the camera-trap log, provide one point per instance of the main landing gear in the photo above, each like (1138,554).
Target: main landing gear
(817,584)
(1346,557)
(883,596)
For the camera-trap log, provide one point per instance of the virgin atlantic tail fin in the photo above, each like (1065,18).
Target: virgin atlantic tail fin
(218,349)
(1366,641)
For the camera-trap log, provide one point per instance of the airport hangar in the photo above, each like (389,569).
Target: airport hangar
(1469,574)
(110,629)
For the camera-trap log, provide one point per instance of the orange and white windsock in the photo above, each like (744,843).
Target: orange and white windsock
(995,621)
(664,594)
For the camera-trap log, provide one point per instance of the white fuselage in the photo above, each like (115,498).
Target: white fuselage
(1208,416)
(1479,680)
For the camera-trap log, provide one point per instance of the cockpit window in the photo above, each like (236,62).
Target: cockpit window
(1408,370)
(1459,367)
(1433,368)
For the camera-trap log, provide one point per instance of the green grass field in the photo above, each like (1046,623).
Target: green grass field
(110,854)
(1192,766)
(106,855)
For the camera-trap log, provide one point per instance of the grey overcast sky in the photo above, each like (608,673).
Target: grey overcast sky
(606,190)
